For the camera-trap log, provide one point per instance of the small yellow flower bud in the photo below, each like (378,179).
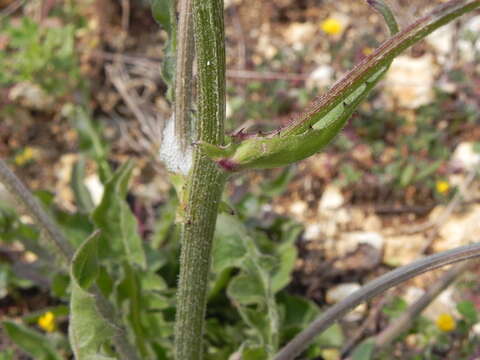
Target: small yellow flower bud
(442,186)
(332,26)
(25,156)
(446,322)
(47,322)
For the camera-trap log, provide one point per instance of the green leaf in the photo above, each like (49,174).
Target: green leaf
(246,289)
(254,353)
(468,311)
(428,170)
(7,355)
(277,186)
(83,198)
(30,341)
(130,290)
(395,308)
(287,258)
(297,313)
(161,13)
(407,175)
(90,140)
(119,238)
(88,331)
(251,289)
(364,351)
(85,262)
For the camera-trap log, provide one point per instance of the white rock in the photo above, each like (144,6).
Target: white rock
(410,81)
(31,96)
(443,303)
(459,229)
(349,242)
(341,292)
(298,207)
(441,41)
(412,294)
(354,239)
(403,249)
(312,232)
(321,77)
(332,198)
(465,156)
(298,35)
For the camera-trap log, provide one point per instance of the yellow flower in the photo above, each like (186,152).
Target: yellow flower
(332,26)
(446,322)
(25,156)
(367,51)
(47,322)
(442,186)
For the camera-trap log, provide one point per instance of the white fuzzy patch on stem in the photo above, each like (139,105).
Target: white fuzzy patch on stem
(175,159)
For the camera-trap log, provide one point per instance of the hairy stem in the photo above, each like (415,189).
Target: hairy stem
(30,204)
(184,73)
(205,182)
(373,288)
(64,251)
(377,60)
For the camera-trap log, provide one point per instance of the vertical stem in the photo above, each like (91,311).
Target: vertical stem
(183,73)
(205,183)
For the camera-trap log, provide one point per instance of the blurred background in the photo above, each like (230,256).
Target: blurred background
(400,182)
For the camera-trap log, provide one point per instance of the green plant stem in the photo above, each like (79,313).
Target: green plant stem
(381,57)
(373,288)
(64,251)
(205,182)
(184,73)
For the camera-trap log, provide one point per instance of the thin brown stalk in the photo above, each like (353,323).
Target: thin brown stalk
(372,289)
(402,323)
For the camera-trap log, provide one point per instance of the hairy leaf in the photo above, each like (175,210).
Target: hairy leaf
(85,262)
(88,331)
(119,238)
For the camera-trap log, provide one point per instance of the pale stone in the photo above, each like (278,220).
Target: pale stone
(298,35)
(31,96)
(444,303)
(465,156)
(298,208)
(403,249)
(441,41)
(410,81)
(312,231)
(459,229)
(467,48)
(332,198)
(321,77)
(340,293)
(349,242)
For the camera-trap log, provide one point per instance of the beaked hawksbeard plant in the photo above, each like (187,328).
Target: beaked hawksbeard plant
(119,305)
